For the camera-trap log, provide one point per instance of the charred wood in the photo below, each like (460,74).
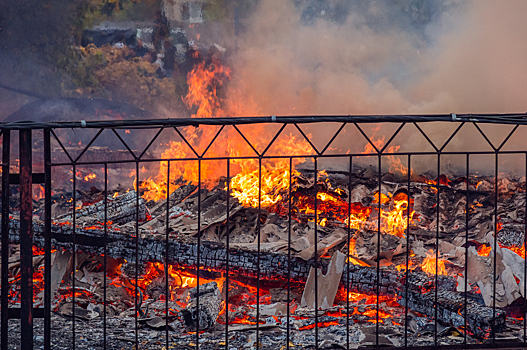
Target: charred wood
(273,266)
(121,209)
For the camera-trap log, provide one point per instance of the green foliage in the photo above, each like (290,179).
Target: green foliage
(216,11)
(98,11)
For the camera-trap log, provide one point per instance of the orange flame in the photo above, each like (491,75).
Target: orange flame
(178,279)
(429,264)
(484,250)
(518,250)
(90,176)
(204,83)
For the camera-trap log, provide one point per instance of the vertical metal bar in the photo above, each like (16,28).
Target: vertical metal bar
(316,253)
(47,237)
(525,262)
(199,249)
(466,248)
(348,259)
(137,306)
(288,331)
(494,275)
(105,253)
(258,251)
(378,282)
(73,251)
(227,256)
(438,182)
(167,292)
(5,236)
(407,257)
(26,240)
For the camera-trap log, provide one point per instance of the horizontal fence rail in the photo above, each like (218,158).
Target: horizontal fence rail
(428,304)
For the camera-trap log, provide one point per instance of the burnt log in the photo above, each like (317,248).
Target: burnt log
(273,266)
(206,314)
(121,209)
(451,309)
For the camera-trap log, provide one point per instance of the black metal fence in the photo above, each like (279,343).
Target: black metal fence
(35,142)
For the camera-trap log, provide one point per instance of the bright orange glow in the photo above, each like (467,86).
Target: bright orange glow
(352,251)
(90,176)
(178,279)
(320,325)
(332,203)
(396,165)
(245,185)
(484,250)
(518,250)
(429,264)
(402,267)
(367,298)
(395,222)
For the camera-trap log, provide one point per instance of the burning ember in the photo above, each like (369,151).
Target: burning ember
(430,262)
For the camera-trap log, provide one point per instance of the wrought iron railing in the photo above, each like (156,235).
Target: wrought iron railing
(35,141)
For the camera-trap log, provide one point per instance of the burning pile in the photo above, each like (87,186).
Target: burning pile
(257,253)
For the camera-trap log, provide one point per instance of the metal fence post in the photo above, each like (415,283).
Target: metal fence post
(47,244)
(5,235)
(26,240)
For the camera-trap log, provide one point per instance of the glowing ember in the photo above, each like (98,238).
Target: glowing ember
(178,279)
(429,264)
(368,299)
(90,176)
(402,267)
(484,250)
(518,250)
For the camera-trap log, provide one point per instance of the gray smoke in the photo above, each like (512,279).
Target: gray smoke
(387,57)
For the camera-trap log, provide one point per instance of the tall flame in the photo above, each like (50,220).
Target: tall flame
(204,83)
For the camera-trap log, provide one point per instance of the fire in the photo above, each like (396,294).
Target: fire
(396,165)
(204,83)
(90,176)
(402,266)
(274,175)
(38,192)
(368,299)
(178,279)
(257,183)
(518,250)
(484,250)
(352,251)
(429,264)
(394,221)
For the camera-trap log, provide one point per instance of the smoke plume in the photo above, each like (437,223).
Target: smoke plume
(458,57)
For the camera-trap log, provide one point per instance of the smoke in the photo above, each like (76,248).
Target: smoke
(386,57)
(462,57)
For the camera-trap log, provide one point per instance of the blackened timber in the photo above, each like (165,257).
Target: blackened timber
(183,252)
(120,210)
(273,266)
(451,309)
